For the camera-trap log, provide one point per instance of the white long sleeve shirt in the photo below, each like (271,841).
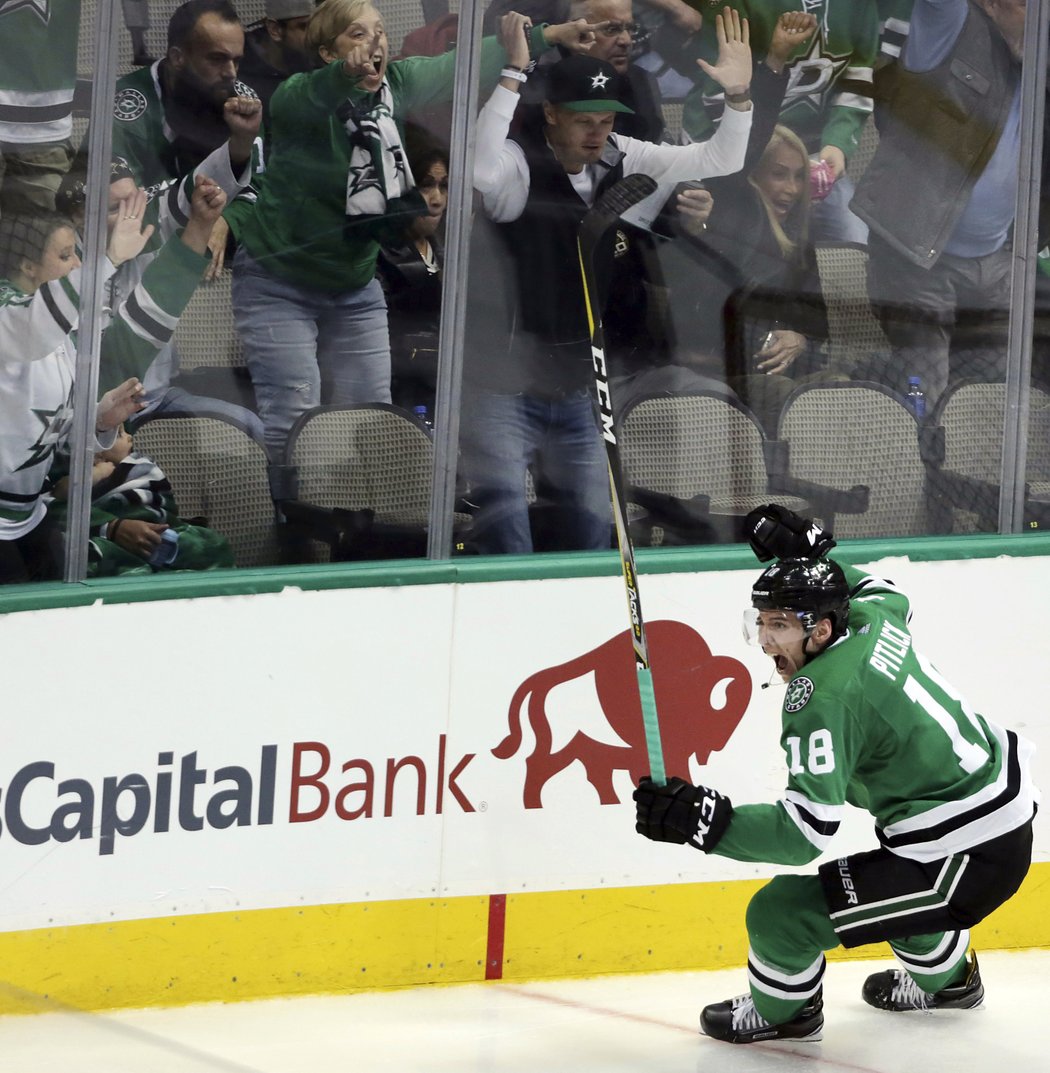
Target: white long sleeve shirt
(501,172)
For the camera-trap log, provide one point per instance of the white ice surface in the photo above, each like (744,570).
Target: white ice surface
(612,1024)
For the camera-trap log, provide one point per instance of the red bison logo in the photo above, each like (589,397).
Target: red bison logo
(685,678)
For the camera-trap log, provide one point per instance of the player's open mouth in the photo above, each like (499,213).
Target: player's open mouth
(782,665)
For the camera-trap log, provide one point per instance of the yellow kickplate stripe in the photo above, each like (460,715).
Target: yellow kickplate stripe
(231,956)
(695,926)
(637,929)
(369,946)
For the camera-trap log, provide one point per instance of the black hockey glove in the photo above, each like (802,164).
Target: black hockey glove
(774,532)
(682,813)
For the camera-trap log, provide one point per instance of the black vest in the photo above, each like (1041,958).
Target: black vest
(530,332)
(938,132)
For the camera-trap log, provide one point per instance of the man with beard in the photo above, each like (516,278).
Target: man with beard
(275,48)
(614,38)
(170,116)
(867,721)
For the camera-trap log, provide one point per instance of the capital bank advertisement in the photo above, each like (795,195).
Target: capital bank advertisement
(306,748)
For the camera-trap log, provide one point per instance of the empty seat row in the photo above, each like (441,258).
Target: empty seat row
(355,481)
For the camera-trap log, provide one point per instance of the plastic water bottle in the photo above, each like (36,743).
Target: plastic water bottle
(916,397)
(165,552)
(423,414)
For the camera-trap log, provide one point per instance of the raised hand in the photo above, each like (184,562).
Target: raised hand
(774,532)
(127,237)
(732,71)
(206,207)
(793,28)
(514,37)
(683,16)
(208,200)
(576,36)
(243,115)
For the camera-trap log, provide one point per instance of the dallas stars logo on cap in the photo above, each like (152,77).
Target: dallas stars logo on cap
(585,84)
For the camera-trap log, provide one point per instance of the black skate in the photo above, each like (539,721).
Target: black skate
(896,990)
(737,1021)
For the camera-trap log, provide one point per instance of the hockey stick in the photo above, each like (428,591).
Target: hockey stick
(594,226)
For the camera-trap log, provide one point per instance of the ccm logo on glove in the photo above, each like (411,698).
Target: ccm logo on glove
(682,813)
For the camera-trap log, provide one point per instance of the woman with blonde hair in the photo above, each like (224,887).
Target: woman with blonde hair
(745,301)
(781,178)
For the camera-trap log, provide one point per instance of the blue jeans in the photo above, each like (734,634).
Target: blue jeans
(178,400)
(300,342)
(501,436)
(945,323)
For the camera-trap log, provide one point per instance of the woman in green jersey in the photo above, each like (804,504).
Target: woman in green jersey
(308,306)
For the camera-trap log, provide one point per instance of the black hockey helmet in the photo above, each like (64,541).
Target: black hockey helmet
(812,588)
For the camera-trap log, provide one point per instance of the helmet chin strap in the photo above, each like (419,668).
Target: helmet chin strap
(806,657)
(771,682)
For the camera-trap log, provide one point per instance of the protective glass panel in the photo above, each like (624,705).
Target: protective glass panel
(40,282)
(786,318)
(771,327)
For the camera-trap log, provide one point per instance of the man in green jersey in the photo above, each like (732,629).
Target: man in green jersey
(867,721)
(169,117)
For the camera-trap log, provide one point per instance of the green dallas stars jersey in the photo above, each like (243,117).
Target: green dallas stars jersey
(828,98)
(38,69)
(141,134)
(870,722)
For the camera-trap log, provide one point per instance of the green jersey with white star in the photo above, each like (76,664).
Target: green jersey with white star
(870,722)
(38,69)
(828,98)
(141,134)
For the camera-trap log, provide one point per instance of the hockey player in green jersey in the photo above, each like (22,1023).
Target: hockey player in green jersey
(867,721)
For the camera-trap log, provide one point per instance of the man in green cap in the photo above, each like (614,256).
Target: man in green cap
(529,398)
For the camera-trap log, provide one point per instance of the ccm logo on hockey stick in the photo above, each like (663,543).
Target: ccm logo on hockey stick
(601,386)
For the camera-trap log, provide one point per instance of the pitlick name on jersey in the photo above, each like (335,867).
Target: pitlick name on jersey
(890,649)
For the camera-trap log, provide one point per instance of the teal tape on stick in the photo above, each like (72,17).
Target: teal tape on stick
(652,726)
